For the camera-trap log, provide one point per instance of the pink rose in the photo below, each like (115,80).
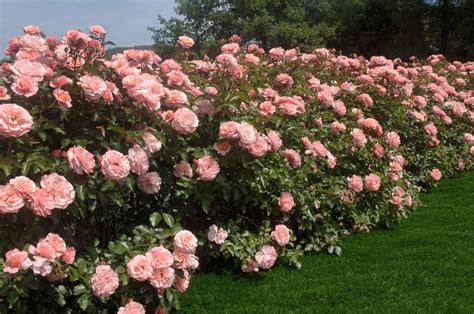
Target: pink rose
(25,186)
(98,30)
(176,77)
(62,191)
(207,168)
(293,157)
(231,48)
(149,183)
(274,140)
(57,242)
(60,81)
(358,137)
(338,127)
(355,183)
(267,108)
(44,249)
(436,174)
(139,267)
(291,105)
(94,87)
(25,86)
(80,160)
(32,30)
(365,99)
(132,307)
(138,159)
(184,260)
(217,235)
(259,147)
(185,121)
(183,169)
(379,151)
(182,283)
(247,133)
(392,139)
(162,278)
(339,108)
(42,202)
(4,93)
(114,165)
(284,80)
(185,42)
(11,201)
(63,98)
(266,257)
(176,98)
(372,182)
(15,121)
(29,69)
(286,202)
(222,148)
(105,281)
(152,144)
(16,260)
(159,257)
(281,235)
(185,241)
(229,130)
(69,256)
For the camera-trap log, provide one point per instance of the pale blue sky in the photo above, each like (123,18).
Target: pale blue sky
(125,20)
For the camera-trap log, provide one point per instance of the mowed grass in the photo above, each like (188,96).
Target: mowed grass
(424,265)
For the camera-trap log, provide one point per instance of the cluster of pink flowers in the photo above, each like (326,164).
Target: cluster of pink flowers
(41,258)
(158,264)
(55,191)
(216,234)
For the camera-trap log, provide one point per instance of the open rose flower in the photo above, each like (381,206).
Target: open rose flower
(185,241)
(61,190)
(16,260)
(80,160)
(207,168)
(132,307)
(139,267)
(372,182)
(286,202)
(355,183)
(149,183)
(138,158)
(266,257)
(15,121)
(185,42)
(25,186)
(436,174)
(105,281)
(185,121)
(281,235)
(114,165)
(94,87)
(11,201)
(217,235)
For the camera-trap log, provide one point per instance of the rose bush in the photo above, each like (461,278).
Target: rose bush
(262,156)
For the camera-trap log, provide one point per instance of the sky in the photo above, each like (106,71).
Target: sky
(125,21)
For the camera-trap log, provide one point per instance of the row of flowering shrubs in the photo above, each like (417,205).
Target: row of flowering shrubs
(120,176)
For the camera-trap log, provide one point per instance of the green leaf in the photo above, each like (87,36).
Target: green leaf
(60,300)
(155,219)
(169,220)
(79,289)
(81,192)
(12,297)
(84,301)
(131,183)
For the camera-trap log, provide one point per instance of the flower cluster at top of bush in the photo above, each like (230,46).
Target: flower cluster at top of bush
(280,151)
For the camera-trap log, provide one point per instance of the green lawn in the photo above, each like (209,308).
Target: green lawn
(425,265)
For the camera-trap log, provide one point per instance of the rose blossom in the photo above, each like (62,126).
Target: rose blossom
(98,30)
(94,87)
(185,121)
(338,127)
(114,165)
(25,186)
(185,42)
(229,130)
(42,202)
(379,151)
(207,168)
(259,147)
(358,137)
(138,159)
(217,235)
(132,307)
(57,242)
(44,249)
(4,93)
(286,202)
(372,182)
(291,105)
(15,121)
(267,108)
(41,266)
(281,235)
(139,267)
(61,190)
(266,257)
(105,281)
(222,148)
(162,278)
(182,283)
(293,157)
(273,138)
(25,86)
(80,160)
(16,260)
(184,260)
(185,241)
(284,80)
(183,169)
(436,174)
(247,133)
(149,183)
(11,201)
(159,257)
(355,183)
(392,139)
(69,255)
(152,144)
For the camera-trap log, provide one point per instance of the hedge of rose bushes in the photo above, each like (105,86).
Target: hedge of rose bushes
(120,176)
